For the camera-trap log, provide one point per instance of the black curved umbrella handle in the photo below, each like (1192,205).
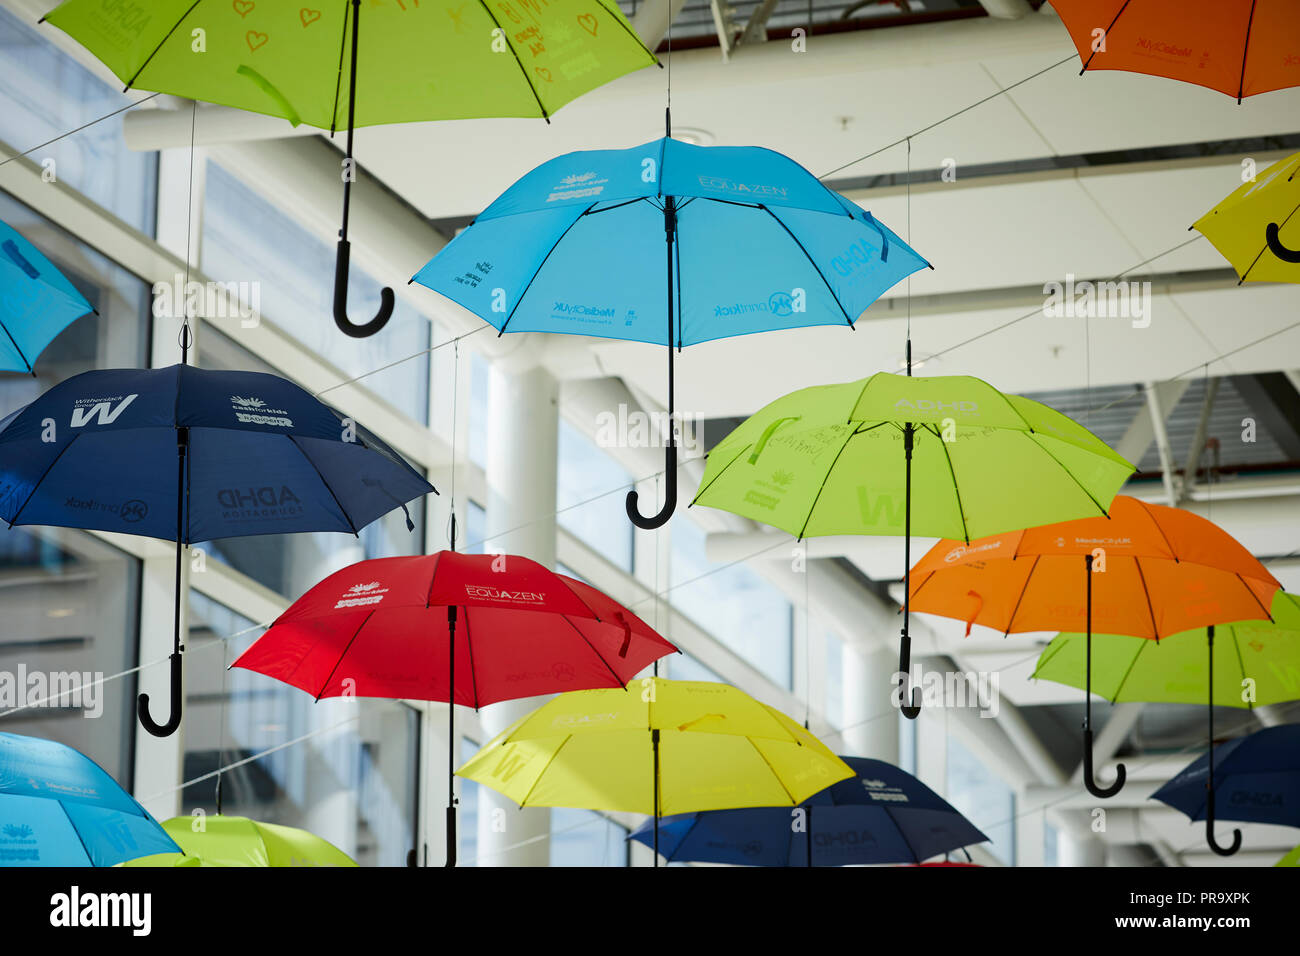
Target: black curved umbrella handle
(1209,830)
(346,325)
(670,496)
(174,721)
(911,710)
(1282,252)
(1088,780)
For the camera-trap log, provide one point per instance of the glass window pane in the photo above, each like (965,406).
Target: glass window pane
(834,678)
(589,499)
(478,409)
(733,603)
(43,94)
(291,274)
(352,782)
(988,802)
(71,615)
(475,527)
(467,821)
(685,667)
(585,838)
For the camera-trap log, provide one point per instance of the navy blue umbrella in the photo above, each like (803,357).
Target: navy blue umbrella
(880,815)
(1254,779)
(189,454)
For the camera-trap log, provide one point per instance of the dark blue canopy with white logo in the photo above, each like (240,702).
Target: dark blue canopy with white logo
(1256,779)
(880,815)
(263,456)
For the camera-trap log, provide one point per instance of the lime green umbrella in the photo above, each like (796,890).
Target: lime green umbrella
(948,456)
(1262,667)
(239,841)
(1173,670)
(313,63)
(1291,859)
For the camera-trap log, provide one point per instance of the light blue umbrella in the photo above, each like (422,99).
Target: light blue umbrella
(37,302)
(59,808)
(671,244)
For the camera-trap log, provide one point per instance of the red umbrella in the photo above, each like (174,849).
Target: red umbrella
(506,626)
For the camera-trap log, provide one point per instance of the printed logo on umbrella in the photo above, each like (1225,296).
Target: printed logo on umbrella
(244,408)
(956,554)
(482,591)
(362,594)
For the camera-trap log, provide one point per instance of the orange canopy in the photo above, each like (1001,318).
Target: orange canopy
(1238,47)
(1158,571)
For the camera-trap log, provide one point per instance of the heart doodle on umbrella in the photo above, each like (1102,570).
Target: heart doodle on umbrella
(588,23)
(543,72)
(308,16)
(243,7)
(255,40)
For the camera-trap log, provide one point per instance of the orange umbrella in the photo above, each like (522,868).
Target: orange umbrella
(1238,47)
(1146,571)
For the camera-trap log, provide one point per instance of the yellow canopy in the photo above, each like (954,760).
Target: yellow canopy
(1238,226)
(718,748)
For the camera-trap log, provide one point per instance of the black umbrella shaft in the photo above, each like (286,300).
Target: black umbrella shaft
(1209,783)
(1087,653)
(182,449)
(350,172)
(451,735)
(670,233)
(654,744)
(905,649)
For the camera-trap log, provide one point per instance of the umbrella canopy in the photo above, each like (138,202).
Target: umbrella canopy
(659,747)
(189,454)
(381,628)
(436,60)
(831,460)
(415,60)
(392,627)
(1256,227)
(754,243)
(37,302)
(239,841)
(1174,670)
(1291,859)
(59,808)
(1256,779)
(1238,47)
(880,815)
(1147,571)
(843,459)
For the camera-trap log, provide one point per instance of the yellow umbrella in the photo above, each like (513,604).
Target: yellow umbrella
(1257,228)
(238,841)
(658,747)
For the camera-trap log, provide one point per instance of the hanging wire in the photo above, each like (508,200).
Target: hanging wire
(186,338)
(49,142)
(455,429)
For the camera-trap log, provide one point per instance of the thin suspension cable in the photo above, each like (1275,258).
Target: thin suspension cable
(396,362)
(71,132)
(940,122)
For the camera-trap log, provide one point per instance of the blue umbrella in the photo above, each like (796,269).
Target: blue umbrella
(37,302)
(880,815)
(1254,779)
(189,454)
(59,808)
(723,241)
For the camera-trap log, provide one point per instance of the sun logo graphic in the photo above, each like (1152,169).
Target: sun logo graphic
(577,178)
(247,402)
(782,478)
(360,595)
(17,832)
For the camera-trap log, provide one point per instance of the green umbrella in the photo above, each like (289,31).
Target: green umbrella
(312,63)
(947,456)
(239,841)
(1291,859)
(1261,668)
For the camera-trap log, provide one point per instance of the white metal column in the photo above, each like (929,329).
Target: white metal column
(523,422)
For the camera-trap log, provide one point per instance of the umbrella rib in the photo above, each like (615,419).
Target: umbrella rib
(533,786)
(1146,593)
(77,833)
(1070,473)
(527,79)
(825,479)
(600,657)
(1129,670)
(36,484)
(721,471)
(1105,34)
(1245,51)
(956,490)
(1023,591)
(1241,665)
(631,33)
(775,775)
(149,59)
(555,245)
(343,511)
(560,578)
(1260,255)
(816,267)
(338,663)
(1267,612)
(12,342)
